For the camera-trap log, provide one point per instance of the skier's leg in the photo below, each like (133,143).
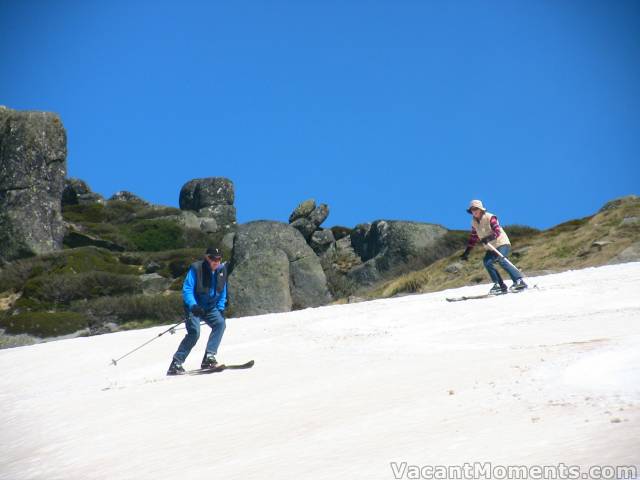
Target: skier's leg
(217,323)
(513,272)
(489,263)
(192,324)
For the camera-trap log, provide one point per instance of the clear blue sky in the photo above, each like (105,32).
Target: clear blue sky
(382,109)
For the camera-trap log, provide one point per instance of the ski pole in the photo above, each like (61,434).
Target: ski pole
(171,329)
(497,252)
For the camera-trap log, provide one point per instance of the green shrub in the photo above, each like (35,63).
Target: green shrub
(339,285)
(150,213)
(64,288)
(92,213)
(117,211)
(517,232)
(194,238)
(156,235)
(457,238)
(90,259)
(44,324)
(569,226)
(15,274)
(159,309)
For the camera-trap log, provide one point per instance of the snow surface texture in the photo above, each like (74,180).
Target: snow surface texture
(537,378)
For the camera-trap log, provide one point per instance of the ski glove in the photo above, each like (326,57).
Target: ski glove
(488,238)
(465,255)
(198,311)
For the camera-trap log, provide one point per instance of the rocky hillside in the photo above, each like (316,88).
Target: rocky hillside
(75,263)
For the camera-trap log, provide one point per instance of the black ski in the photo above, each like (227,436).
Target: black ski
(220,368)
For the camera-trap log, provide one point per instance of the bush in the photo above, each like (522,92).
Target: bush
(570,226)
(64,288)
(92,213)
(44,324)
(88,259)
(194,238)
(517,232)
(158,309)
(117,211)
(457,238)
(78,260)
(15,274)
(340,286)
(156,235)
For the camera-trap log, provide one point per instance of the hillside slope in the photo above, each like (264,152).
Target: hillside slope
(546,376)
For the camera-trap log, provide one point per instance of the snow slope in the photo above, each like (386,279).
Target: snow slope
(546,376)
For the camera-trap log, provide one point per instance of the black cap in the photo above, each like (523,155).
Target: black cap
(214,252)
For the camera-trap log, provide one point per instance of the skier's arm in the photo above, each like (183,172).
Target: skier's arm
(222,301)
(473,238)
(188,288)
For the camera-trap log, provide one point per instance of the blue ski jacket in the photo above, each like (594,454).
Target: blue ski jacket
(211,299)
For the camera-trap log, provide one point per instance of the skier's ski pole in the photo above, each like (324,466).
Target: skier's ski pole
(171,329)
(497,252)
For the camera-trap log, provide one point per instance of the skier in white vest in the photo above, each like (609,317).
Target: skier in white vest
(486,229)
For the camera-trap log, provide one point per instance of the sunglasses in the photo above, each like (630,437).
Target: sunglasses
(214,259)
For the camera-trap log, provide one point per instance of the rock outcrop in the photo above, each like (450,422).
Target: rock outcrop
(211,198)
(307,217)
(77,192)
(125,196)
(389,247)
(274,270)
(33,167)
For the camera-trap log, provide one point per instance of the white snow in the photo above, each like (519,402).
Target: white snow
(547,376)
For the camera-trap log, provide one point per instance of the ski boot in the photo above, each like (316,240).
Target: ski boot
(176,368)
(498,289)
(209,361)
(518,285)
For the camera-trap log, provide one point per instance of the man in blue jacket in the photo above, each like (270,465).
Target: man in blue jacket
(204,292)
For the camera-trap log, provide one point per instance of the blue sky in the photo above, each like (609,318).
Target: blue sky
(382,109)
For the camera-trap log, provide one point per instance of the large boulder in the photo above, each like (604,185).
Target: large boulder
(629,254)
(307,218)
(305,226)
(389,247)
(261,281)
(33,167)
(319,214)
(304,209)
(321,241)
(260,284)
(211,197)
(206,192)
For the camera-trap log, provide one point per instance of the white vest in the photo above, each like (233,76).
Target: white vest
(483,228)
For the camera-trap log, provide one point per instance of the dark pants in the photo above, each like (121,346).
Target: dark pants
(215,320)
(490,260)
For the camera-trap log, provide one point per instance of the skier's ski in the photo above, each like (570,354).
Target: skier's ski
(473,297)
(220,368)
(487,295)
